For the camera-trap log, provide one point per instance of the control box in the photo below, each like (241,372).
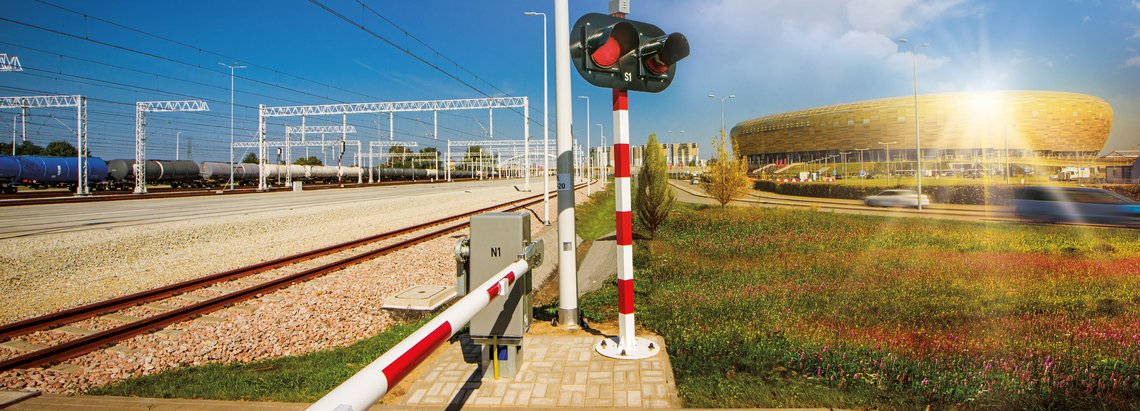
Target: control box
(496,241)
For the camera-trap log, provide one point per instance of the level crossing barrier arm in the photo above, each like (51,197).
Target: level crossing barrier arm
(373,381)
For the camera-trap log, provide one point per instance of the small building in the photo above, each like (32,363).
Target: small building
(1123,174)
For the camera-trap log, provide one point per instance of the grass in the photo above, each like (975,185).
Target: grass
(302,378)
(794,308)
(595,218)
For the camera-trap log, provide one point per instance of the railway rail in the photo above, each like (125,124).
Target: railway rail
(85,344)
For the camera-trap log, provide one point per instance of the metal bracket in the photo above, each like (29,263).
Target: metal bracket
(533,254)
(462,265)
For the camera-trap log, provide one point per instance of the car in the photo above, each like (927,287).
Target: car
(896,198)
(695,180)
(1075,205)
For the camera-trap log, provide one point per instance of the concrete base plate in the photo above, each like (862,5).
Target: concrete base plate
(641,349)
(420,298)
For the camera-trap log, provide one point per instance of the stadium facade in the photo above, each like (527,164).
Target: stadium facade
(954,127)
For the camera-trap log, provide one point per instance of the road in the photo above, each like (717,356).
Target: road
(32,220)
(694,194)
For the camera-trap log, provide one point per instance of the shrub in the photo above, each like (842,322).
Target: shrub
(952,194)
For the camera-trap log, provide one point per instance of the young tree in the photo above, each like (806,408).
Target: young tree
(28,148)
(399,158)
(726,179)
(309,161)
(60,149)
(249,158)
(654,199)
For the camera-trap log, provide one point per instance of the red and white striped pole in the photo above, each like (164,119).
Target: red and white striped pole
(626,345)
(369,384)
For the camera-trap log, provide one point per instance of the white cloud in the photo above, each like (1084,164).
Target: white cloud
(1086,19)
(895,17)
(1132,62)
(1135,35)
(1136,3)
(1021,59)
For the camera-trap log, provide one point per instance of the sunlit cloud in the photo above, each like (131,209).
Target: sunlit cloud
(1132,62)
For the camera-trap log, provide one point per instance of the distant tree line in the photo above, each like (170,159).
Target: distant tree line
(54,149)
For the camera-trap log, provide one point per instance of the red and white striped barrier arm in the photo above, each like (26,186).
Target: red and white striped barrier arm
(367,386)
(624,214)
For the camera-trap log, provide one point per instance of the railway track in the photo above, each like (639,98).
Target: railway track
(63,197)
(75,347)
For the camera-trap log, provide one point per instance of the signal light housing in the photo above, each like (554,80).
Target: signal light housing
(623,54)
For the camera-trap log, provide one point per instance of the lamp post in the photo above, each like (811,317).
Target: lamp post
(603,158)
(545,126)
(231,67)
(587,144)
(917,140)
(845,153)
(888,144)
(713,96)
(862,169)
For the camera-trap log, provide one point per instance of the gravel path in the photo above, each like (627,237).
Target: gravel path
(330,311)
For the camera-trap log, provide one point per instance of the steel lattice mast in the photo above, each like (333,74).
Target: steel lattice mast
(389,107)
(143,107)
(80,103)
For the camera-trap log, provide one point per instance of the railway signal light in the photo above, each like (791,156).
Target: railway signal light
(613,52)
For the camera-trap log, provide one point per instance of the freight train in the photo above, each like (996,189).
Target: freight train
(43,172)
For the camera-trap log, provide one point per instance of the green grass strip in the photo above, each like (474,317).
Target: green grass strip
(595,218)
(302,378)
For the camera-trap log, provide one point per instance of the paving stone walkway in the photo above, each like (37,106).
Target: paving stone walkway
(556,371)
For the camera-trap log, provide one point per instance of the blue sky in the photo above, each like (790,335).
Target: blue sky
(775,56)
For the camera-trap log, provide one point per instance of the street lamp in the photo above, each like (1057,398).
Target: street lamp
(888,144)
(862,169)
(545,126)
(713,96)
(587,144)
(917,139)
(231,67)
(604,161)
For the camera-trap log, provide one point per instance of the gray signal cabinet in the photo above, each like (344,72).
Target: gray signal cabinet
(496,241)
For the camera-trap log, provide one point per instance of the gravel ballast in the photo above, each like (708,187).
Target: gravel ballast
(66,270)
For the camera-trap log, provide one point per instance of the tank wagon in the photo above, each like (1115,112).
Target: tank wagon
(41,172)
(176,173)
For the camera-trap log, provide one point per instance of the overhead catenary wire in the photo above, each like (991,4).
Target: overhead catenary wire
(135,88)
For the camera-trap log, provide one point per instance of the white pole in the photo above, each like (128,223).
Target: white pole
(567,265)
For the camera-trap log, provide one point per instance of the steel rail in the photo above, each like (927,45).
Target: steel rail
(83,345)
(71,315)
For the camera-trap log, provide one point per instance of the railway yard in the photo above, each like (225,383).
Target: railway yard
(67,255)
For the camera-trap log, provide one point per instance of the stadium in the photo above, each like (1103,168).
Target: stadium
(960,131)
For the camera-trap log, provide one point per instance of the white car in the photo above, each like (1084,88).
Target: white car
(896,198)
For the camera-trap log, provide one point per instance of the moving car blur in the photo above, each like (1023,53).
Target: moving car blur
(896,198)
(1075,205)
